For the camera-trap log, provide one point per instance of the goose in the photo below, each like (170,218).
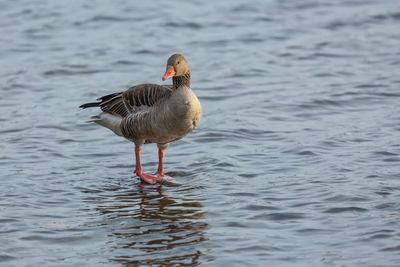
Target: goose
(152,113)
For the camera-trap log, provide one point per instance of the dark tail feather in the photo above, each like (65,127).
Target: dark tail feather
(101,99)
(90,105)
(108,97)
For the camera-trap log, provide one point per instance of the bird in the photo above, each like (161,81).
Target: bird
(152,114)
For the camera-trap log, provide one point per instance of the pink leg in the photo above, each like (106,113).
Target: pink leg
(160,171)
(150,179)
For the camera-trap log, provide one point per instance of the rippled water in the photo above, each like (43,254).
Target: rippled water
(296,162)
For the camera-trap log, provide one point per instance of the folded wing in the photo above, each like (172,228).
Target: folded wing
(134,99)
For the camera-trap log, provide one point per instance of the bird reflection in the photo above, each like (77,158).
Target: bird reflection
(151,228)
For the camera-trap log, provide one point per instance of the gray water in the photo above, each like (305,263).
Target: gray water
(296,161)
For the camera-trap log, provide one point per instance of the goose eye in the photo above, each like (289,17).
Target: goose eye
(178,62)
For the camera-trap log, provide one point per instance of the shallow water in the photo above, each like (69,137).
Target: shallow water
(296,162)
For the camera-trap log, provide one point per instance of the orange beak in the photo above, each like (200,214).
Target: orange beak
(170,72)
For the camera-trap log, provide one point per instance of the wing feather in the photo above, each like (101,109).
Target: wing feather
(134,99)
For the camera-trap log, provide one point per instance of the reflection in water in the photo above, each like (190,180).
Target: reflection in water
(150,228)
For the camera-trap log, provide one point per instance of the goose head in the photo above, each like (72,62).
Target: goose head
(176,66)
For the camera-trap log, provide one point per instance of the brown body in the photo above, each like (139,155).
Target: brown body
(151,113)
(175,113)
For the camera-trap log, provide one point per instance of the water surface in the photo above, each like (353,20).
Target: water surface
(296,162)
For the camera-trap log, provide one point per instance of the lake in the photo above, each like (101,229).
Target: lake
(296,161)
